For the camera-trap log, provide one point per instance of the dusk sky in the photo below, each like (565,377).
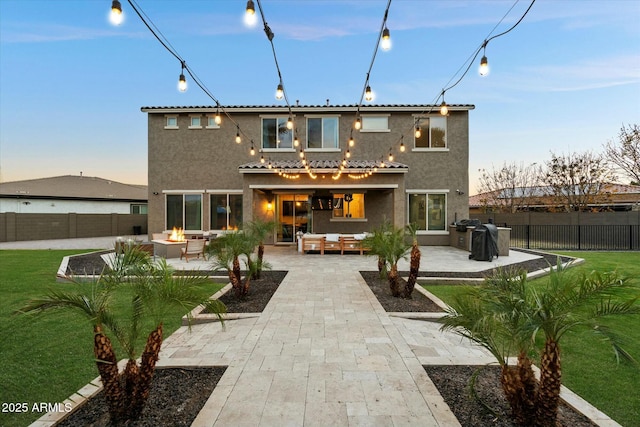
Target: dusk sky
(567,78)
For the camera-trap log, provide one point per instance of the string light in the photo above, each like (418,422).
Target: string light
(385,42)
(296,141)
(250,18)
(238,138)
(116,17)
(390,155)
(182,81)
(280,91)
(358,124)
(290,122)
(402,144)
(368,94)
(484,66)
(252,151)
(262,160)
(418,132)
(217,119)
(444,109)
(351,141)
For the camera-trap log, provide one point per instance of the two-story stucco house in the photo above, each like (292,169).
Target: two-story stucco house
(311,178)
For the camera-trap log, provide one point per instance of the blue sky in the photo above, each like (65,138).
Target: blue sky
(71,84)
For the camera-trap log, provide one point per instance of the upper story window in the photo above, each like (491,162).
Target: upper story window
(433,132)
(375,124)
(275,134)
(211,122)
(322,133)
(196,122)
(171,122)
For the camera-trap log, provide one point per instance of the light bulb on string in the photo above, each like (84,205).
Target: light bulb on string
(280,91)
(358,124)
(262,159)
(116,17)
(217,119)
(182,81)
(252,151)
(418,132)
(250,18)
(390,155)
(385,42)
(402,148)
(368,94)
(484,66)
(352,142)
(348,154)
(238,138)
(290,123)
(296,141)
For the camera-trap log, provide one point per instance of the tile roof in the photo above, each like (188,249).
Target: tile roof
(74,187)
(353,107)
(321,165)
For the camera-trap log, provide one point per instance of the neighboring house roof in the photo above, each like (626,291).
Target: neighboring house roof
(418,108)
(74,187)
(323,165)
(621,193)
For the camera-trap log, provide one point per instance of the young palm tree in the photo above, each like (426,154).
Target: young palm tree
(414,264)
(504,315)
(153,290)
(226,251)
(565,303)
(389,245)
(259,230)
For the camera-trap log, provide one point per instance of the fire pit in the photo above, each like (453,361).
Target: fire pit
(177,235)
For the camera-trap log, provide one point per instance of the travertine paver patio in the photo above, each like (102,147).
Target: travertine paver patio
(323,352)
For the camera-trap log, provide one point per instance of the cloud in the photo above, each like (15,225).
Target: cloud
(596,73)
(50,33)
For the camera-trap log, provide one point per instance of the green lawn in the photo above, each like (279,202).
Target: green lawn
(588,364)
(45,358)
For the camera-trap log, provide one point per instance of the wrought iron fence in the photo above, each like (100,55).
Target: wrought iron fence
(576,237)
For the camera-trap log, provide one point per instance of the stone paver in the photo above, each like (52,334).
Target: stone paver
(323,352)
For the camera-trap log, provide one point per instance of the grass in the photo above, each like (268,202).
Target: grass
(588,364)
(45,358)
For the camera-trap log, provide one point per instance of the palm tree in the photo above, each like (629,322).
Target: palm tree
(226,251)
(504,315)
(259,230)
(389,245)
(154,289)
(568,302)
(414,264)
(492,316)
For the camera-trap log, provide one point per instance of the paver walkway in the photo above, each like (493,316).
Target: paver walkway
(323,352)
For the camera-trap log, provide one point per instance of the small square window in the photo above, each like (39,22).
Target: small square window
(196,122)
(171,122)
(211,122)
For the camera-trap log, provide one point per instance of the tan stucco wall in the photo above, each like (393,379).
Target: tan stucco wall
(205,159)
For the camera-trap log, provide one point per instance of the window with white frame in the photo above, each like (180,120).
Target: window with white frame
(433,132)
(322,133)
(196,122)
(375,124)
(226,211)
(211,122)
(184,211)
(428,210)
(171,122)
(275,134)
